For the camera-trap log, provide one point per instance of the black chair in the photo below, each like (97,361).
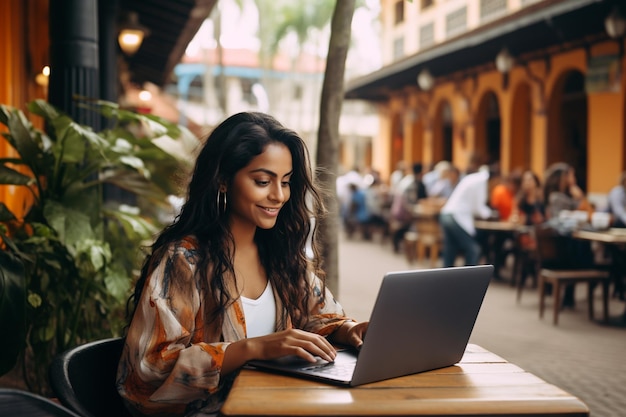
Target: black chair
(83,378)
(14,402)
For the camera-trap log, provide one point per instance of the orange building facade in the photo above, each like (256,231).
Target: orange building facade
(25,52)
(531,84)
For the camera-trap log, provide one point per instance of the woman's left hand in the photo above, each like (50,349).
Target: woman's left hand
(351,333)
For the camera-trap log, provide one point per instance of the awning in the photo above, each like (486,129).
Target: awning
(538,27)
(172,25)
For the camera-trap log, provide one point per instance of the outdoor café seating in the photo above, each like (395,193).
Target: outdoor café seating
(557,270)
(426,235)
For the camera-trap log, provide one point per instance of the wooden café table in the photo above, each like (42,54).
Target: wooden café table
(615,239)
(481,384)
(497,232)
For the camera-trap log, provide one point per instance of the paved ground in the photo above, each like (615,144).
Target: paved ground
(585,358)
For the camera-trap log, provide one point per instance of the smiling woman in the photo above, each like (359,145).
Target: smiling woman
(229,280)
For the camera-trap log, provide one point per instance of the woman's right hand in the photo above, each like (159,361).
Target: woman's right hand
(576,192)
(291,342)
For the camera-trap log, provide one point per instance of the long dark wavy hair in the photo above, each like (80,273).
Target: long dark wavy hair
(554,180)
(228,149)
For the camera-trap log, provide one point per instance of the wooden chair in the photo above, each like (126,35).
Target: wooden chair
(556,269)
(429,237)
(83,379)
(427,234)
(526,260)
(410,246)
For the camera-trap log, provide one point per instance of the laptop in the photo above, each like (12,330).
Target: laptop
(421,320)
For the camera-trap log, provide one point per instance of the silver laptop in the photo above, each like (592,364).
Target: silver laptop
(421,320)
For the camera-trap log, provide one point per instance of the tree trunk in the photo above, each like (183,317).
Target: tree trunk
(328,135)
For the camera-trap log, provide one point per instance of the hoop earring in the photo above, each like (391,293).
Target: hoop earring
(221,207)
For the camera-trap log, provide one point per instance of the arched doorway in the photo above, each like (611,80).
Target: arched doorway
(567,124)
(521,128)
(488,125)
(443,133)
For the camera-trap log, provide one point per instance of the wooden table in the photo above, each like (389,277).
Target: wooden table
(616,241)
(498,226)
(603,236)
(497,232)
(482,384)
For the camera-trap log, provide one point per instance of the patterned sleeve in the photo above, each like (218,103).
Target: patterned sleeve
(165,367)
(326,315)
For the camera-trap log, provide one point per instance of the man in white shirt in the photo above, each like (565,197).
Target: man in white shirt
(467,201)
(431,177)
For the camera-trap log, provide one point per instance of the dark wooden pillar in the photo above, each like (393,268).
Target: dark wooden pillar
(74,61)
(107,21)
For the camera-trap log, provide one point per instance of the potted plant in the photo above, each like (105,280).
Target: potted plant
(67,266)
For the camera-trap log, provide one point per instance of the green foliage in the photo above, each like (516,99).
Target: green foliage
(66,269)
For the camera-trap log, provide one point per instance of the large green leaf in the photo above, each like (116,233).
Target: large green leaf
(42,108)
(118,283)
(85,132)
(91,256)
(70,225)
(10,176)
(135,227)
(71,148)
(12,309)
(135,183)
(23,141)
(4,114)
(5,214)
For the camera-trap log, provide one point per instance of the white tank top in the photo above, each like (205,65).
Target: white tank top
(260,314)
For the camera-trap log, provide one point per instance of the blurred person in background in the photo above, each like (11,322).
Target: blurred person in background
(617,202)
(431,177)
(502,196)
(378,205)
(561,192)
(410,190)
(397,175)
(529,208)
(468,200)
(445,185)
(344,191)
(502,199)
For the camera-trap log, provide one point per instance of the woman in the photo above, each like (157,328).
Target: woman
(529,205)
(229,281)
(561,192)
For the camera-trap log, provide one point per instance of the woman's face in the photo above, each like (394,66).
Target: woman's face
(528,182)
(566,180)
(571,177)
(261,188)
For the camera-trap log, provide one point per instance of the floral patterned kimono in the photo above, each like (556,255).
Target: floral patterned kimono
(172,357)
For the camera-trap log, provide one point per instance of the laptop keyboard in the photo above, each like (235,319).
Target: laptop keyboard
(343,370)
